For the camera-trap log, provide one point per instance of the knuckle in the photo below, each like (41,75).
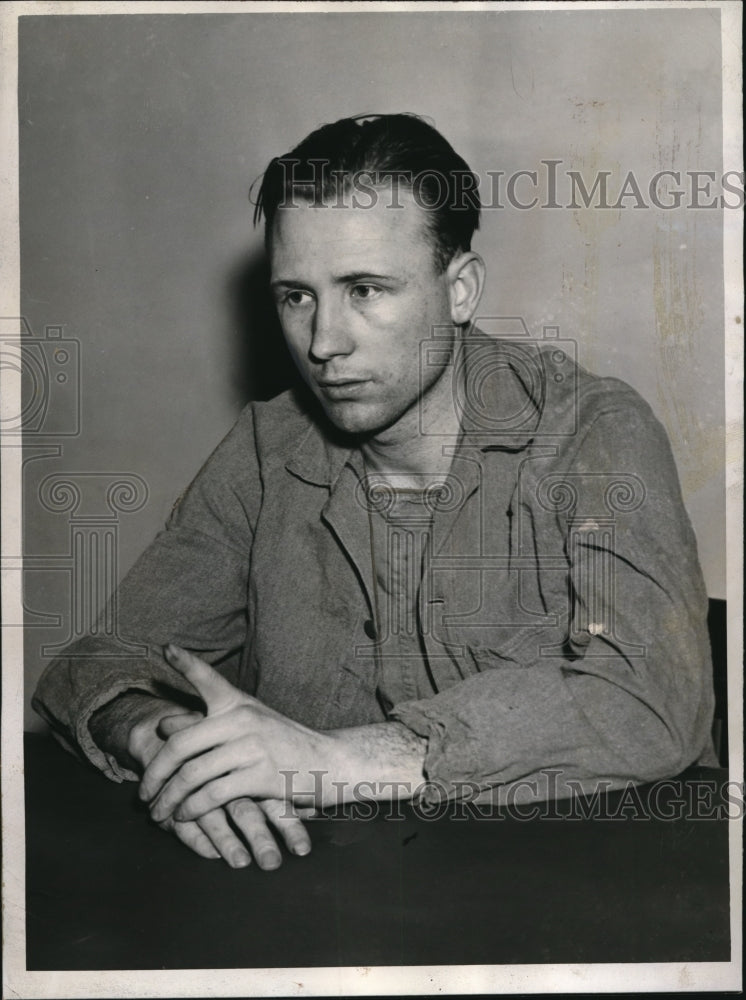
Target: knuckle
(225,841)
(218,832)
(253,825)
(285,814)
(261,840)
(211,793)
(177,743)
(209,823)
(273,809)
(192,809)
(241,809)
(190,771)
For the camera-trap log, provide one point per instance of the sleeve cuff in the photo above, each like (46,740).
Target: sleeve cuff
(89,677)
(444,776)
(104,761)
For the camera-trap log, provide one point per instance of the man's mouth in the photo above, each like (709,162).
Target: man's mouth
(341,388)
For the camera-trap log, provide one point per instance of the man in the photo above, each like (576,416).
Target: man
(449,559)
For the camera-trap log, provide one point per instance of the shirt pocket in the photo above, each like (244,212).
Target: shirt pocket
(525,647)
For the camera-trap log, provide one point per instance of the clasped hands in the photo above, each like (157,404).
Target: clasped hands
(242,756)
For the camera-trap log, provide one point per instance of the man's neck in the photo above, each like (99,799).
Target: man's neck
(418,451)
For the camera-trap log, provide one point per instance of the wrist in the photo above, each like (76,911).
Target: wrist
(126,727)
(382,761)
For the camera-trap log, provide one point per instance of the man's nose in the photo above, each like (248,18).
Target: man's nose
(329,336)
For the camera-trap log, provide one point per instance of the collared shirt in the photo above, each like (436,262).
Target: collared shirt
(561,610)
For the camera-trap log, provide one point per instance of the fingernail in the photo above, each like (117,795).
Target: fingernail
(240,859)
(301,849)
(270,861)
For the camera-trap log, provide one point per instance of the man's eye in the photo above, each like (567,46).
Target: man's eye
(364,292)
(296,297)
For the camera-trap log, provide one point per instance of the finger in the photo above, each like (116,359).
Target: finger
(215,824)
(216,692)
(218,793)
(290,827)
(252,823)
(202,771)
(171,724)
(191,835)
(179,748)
(290,810)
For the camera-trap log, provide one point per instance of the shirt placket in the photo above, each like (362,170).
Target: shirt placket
(402,538)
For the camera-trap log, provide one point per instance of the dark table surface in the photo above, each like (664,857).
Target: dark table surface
(107,889)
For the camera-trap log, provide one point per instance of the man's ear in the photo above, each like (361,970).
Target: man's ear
(465,275)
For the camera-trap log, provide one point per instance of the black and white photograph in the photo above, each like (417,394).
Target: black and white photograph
(372,495)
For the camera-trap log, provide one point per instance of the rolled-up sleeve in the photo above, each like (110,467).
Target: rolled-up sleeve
(188,587)
(629,695)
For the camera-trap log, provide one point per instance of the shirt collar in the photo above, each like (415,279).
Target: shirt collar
(322,451)
(500,399)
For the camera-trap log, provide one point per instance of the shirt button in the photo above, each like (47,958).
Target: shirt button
(369,628)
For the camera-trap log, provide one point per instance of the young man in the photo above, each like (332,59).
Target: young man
(448,557)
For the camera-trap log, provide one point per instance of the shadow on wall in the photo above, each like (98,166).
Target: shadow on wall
(261,364)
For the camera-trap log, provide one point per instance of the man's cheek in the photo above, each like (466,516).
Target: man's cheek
(298,347)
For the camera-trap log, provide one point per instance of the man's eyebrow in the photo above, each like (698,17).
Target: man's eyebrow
(288,283)
(341,279)
(362,276)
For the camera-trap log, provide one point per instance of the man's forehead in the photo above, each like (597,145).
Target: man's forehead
(306,260)
(338,224)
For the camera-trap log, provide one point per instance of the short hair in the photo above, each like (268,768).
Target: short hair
(399,147)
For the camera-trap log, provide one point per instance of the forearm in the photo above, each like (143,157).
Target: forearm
(516,724)
(380,761)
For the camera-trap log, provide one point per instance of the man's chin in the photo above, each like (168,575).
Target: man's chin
(356,419)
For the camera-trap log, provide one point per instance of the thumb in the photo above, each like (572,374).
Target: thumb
(171,724)
(217,693)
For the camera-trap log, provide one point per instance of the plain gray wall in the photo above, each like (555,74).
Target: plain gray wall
(140,136)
